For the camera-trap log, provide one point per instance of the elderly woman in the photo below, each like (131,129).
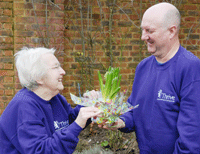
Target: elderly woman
(39,119)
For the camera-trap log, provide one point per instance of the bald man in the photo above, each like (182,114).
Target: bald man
(166,87)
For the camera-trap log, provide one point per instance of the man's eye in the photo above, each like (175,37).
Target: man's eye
(150,31)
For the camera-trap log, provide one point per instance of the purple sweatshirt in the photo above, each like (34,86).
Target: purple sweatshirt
(168,117)
(30,125)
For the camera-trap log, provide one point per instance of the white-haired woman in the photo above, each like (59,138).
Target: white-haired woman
(39,119)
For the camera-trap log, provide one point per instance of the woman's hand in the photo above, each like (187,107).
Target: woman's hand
(85,113)
(92,94)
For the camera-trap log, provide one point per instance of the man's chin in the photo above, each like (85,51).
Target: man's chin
(152,52)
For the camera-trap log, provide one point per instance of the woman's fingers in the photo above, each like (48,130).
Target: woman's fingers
(91,94)
(85,113)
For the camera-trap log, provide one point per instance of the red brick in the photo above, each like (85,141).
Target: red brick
(19,12)
(2,39)
(9,40)
(6,5)
(39,13)
(4,46)
(19,40)
(25,20)
(60,14)
(9,92)
(8,52)
(190,7)
(56,21)
(41,20)
(8,79)
(59,1)
(192,19)
(7,12)
(18,46)
(6,33)
(1,65)
(8,66)
(28,6)
(19,26)
(6,73)
(24,33)
(8,0)
(39,6)
(5,19)
(1,12)
(7,26)
(18,6)
(59,27)
(1,103)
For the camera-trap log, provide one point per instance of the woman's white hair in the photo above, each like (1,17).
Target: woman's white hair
(30,66)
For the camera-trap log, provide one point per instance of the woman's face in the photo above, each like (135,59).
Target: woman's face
(52,81)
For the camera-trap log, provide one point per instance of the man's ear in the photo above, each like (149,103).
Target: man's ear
(40,81)
(173,31)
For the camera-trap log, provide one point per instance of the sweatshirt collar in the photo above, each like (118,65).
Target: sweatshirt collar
(35,96)
(169,62)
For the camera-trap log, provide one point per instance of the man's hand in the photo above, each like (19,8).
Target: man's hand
(85,113)
(118,124)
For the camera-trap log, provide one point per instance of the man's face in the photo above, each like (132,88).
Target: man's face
(52,81)
(155,35)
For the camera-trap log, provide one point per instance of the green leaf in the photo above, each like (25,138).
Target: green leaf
(104,143)
(100,80)
(112,83)
(112,95)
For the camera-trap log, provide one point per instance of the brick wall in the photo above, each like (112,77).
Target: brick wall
(190,27)
(59,24)
(7,87)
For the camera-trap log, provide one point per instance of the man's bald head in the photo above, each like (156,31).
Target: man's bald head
(165,14)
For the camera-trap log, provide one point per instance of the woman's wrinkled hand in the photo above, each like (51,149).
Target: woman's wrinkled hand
(92,94)
(85,113)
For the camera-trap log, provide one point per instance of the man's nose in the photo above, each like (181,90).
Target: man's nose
(144,36)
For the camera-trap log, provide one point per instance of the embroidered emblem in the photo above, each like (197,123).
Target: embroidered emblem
(60,125)
(165,97)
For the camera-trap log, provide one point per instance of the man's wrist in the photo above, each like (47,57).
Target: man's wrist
(121,123)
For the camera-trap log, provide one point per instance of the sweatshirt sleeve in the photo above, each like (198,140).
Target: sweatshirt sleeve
(33,138)
(188,123)
(128,116)
(129,123)
(73,112)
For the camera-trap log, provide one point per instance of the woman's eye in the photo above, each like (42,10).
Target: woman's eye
(56,67)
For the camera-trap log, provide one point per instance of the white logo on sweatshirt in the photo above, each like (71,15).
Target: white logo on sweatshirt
(60,125)
(165,97)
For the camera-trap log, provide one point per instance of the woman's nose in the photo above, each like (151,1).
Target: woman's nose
(62,71)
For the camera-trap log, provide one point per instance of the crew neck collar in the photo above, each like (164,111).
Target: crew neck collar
(159,65)
(35,96)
